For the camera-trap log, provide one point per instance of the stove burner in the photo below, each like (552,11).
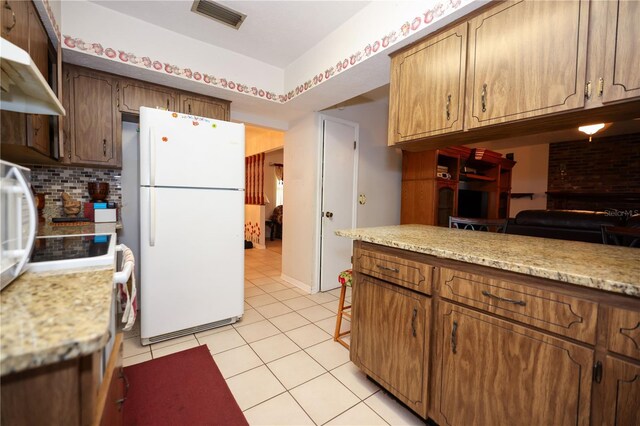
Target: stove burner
(69,247)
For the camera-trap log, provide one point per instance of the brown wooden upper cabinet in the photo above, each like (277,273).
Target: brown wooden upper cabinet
(622,66)
(92,126)
(204,107)
(427,87)
(133,94)
(526,59)
(15,22)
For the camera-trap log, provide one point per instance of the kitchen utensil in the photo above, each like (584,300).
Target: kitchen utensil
(98,191)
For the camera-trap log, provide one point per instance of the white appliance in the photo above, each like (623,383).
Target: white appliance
(24,89)
(18,221)
(191,223)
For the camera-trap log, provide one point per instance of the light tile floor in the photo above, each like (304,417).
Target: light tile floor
(280,360)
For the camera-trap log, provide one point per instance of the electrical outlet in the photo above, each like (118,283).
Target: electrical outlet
(362,199)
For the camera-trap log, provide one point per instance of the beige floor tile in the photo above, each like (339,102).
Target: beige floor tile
(247,285)
(329,325)
(281,410)
(168,350)
(262,281)
(250,316)
(285,294)
(254,386)
(273,310)
(253,291)
(332,306)
(354,379)
(136,359)
(257,331)
(214,331)
(272,272)
(299,303)
(335,292)
(236,361)
(253,275)
(274,347)
(172,342)
(307,335)
(133,347)
(323,398)
(247,306)
(391,411)
(289,321)
(321,298)
(360,415)
(220,342)
(316,313)
(261,300)
(301,291)
(295,369)
(329,354)
(270,288)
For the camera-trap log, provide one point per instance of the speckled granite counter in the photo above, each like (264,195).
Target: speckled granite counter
(609,268)
(47,229)
(52,317)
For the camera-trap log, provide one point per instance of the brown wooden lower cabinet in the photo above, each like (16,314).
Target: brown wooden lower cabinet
(621,381)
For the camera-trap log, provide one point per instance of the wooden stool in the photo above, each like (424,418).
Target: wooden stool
(345,279)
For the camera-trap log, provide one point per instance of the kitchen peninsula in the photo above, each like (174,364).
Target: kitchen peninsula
(463,325)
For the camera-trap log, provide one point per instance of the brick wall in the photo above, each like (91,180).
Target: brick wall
(606,165)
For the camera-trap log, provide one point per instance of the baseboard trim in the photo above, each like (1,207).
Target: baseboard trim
(299,284)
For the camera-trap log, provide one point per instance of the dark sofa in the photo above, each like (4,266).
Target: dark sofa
(575,225)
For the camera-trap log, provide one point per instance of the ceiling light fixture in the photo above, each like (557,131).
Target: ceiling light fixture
(591,129)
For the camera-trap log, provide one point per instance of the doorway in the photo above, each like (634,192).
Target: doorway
(339,183)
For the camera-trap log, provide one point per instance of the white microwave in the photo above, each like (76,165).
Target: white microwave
(18,220)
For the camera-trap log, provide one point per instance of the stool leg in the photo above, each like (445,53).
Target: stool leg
(343,293)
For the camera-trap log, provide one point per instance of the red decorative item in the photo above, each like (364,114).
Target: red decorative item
(165,139)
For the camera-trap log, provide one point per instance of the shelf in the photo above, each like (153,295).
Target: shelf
(477,177)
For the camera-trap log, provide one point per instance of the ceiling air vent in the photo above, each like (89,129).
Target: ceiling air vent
(218,12)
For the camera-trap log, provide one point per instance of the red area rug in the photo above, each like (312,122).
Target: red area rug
(185,388)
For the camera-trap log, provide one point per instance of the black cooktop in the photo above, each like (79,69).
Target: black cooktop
(69,247)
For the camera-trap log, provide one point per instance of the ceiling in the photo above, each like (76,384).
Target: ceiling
(274,32)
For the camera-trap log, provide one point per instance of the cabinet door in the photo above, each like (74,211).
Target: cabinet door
(38,131)
(446,204)
(204,107)
(134,94)
(94,121)
(427,87)
(526,59)
(622,392)
(496,373)
(622,66)
(390,338)
(15,22)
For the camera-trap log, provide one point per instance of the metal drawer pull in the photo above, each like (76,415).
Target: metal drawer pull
(504,299)
(104,147)
(385,268)
(454,337)
(413,321)
(483,97)
(448,107)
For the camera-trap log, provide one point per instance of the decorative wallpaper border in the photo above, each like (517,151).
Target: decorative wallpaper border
(412,25)
(52,18)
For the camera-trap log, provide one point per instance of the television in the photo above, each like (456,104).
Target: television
(473,203)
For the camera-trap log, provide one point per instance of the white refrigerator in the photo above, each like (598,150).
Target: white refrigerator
(191,223)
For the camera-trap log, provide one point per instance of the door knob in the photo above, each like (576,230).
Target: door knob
(329,215)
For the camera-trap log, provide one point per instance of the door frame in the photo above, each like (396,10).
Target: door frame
(320,184)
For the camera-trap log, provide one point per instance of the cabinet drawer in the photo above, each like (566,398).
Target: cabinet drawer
(407,273)
(624,332)
(565,315)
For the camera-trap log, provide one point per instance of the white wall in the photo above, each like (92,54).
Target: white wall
(300,219)
(270,178)
(379,167)
(130,209)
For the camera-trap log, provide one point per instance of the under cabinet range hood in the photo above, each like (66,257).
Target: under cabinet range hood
(24,89)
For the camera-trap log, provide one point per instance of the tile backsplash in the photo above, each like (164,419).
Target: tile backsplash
(53,181)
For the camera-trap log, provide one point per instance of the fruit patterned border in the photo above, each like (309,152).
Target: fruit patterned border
(52,18)
(428,17)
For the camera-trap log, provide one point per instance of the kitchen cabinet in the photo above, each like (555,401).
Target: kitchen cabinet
(621,381)
(92,127)
(622,71)
(15,22)
(427,87)
(499,372)
(390,338)
(624,332)
(133,94)
(204,107)
(527,58)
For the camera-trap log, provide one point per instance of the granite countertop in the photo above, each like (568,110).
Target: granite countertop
(609,268)
(54,316)
(46,229)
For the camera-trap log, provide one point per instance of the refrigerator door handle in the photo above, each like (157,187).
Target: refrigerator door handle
(152,216)
(152,156)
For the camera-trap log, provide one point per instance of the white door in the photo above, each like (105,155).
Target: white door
(339,183)
(193,152)
(192,258)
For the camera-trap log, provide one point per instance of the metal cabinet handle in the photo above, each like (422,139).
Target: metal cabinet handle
(504,299)
(167,104)
(587,90)
(597,372)
(448,107)
(13,17)
(483,97)
(600,87)
(454,337)
(386,268)
(189,108)
(118,94)
(413,321)
(104,147)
